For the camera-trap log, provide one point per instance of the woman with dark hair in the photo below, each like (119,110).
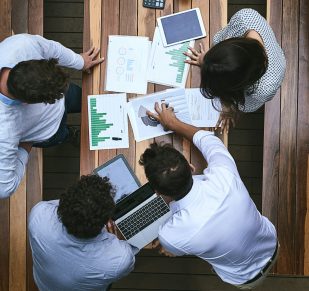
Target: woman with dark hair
(243,69)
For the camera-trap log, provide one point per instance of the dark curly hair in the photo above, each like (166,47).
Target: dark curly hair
(87,206)
(231,69)
(167,170)
(37,81)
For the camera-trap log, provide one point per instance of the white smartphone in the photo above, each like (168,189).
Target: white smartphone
(182,26)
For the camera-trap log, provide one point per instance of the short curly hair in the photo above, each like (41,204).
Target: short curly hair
(87,206)
(37,81)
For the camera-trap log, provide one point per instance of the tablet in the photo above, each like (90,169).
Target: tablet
(182,26)
(120,175)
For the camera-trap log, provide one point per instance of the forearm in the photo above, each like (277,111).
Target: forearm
(12,172)
(184,129)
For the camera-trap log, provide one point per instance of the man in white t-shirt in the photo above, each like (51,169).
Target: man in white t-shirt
(213,217)
(32,107)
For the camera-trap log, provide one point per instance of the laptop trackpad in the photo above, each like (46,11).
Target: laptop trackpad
(148,234)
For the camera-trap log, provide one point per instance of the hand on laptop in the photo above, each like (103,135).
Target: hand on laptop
(157,246)
(112,228)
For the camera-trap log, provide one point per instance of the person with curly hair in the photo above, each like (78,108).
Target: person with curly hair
(243,69)
(33,109)
(213,215)
(71,247)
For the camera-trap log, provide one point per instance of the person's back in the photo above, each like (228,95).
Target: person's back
(62,261)
(213,216)
(222,226)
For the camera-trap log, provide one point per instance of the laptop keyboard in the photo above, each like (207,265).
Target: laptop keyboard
(143,217)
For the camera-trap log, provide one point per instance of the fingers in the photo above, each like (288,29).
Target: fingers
(153,115)
(227,125)
(155,243)
(90,51)
(202,48)
(218,122)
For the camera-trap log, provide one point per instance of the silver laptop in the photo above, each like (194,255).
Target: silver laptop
(139,210)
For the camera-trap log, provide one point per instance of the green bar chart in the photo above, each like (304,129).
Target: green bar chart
(178,59)
(98,124)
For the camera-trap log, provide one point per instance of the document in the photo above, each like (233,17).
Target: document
(190,106)
(202,111)
(127,60)
(145,127)
(166,64)
(108,121)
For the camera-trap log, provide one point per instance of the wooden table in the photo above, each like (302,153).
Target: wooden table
(129,17)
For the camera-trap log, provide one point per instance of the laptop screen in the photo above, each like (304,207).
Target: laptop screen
(120,176)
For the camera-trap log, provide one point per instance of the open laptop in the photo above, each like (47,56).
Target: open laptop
(139,210)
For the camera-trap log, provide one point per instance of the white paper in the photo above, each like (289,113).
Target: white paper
(166,64)
(108,121)
(127,60)
(202,112)
(145,127)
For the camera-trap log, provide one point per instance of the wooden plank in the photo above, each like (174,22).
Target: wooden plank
(52,24)
(128,26)
(35,17)
(5,244)
(18,226)
(287,163)
(5,31)
(87,162)
(146,24)
(64,9)
(306,237)
(110,26)
(302,168)
(5,18)
(270,194)
(34,180)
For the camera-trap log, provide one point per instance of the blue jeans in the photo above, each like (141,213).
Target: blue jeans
(72,104)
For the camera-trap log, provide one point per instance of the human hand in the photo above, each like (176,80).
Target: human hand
(226,119)
(157,246)
(196,57)
(165,115)
(26,145)
(90,58)
(111,227)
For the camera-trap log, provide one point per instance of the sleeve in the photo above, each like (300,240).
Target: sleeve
(169,247)
(51,49)
(233,28)
(214,151)
(126,265)
(12,169)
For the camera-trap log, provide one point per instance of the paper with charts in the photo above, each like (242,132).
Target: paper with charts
(127,60)
(202,112)
(108,121)
(190,106)
(166,64)
(145,127)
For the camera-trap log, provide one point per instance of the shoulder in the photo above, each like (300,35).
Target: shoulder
(44,211)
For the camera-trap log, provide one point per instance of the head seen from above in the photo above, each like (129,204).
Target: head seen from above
(37,81)
(231,69)
(167,170)
(87,206)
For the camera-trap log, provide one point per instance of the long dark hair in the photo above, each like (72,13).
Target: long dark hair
(231,69)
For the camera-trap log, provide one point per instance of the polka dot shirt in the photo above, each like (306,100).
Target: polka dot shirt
(241,22)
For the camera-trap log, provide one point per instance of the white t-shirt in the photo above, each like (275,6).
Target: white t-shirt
(27,122)
(218,221)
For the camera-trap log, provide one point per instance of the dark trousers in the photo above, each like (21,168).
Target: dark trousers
(72,104)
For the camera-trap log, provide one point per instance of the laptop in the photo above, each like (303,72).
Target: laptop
(139,210)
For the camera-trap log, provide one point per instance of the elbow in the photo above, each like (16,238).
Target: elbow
(7,190)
